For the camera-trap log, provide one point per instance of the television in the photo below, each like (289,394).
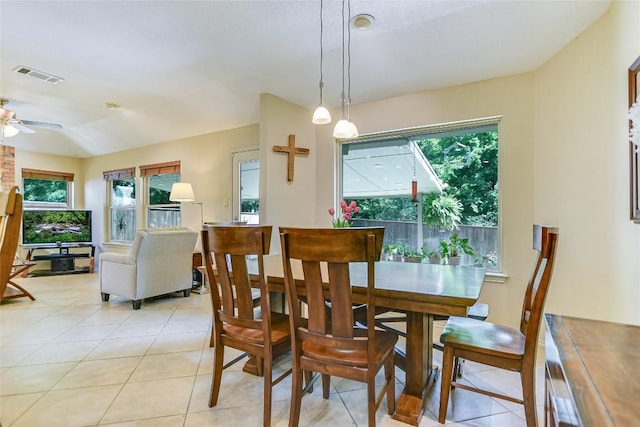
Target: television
(43,227)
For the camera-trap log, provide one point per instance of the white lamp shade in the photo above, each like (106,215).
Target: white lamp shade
(182,192)
(342,129)
(354,130)
(321,116)
(8,131)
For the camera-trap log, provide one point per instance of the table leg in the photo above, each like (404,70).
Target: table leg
(420,372)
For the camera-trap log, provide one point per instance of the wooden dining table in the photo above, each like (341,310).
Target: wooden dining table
(421,291)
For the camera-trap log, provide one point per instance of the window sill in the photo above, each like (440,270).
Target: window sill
(495,277)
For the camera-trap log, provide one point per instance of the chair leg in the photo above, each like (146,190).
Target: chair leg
(186,292)
(371,400)
(296,396)
(389,374)
(267,380)
(218,361)
(529,395)
(445,387)
(136,304)
(105,297)
(326,382)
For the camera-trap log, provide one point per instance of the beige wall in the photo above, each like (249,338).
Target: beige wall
(283,202)
(563,161)
(581,169)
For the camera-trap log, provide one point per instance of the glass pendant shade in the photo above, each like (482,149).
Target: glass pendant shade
(8,131)
(321,116)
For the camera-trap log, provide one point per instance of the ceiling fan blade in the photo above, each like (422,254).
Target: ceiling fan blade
(42,124)
(21,128)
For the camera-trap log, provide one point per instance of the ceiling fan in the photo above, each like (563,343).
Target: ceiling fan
(11,125)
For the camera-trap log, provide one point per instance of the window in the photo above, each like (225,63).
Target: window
(456,170)
(161,212)
(121,186)
(47,189)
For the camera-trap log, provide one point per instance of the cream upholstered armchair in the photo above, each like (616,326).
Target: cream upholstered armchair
(160,262)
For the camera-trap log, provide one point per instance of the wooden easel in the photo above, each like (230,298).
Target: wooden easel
(10,220)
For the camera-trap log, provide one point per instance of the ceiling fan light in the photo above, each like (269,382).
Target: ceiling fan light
(342,130)
(321,116)
(8,131)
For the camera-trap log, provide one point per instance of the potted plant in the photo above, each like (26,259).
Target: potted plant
(403,250)
(413,256)
(391,252)
(443,212)
(487,260)
(433,257)
(452,248)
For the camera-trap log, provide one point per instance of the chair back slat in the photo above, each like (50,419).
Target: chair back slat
(315,296)
(545,242)
(341,301)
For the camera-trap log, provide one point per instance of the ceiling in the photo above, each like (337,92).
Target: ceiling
(185,68)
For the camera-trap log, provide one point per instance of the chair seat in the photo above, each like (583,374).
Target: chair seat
(483,337)
(279,331)
(385,343)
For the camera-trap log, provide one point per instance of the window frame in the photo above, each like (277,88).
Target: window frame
(147,172)
(50,176)
(497,274)
(120,175)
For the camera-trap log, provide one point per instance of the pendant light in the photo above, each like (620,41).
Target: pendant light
(345,128)
(321,116)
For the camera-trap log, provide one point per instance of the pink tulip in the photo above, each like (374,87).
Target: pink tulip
(332,211)
(343,205)
(352,205)
(357,209)
(347,216)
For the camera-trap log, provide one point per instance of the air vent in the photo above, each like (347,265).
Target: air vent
(40,75)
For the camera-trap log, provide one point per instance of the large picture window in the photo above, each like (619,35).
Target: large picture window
(455,170)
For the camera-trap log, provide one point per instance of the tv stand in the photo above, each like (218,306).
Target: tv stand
(63,258)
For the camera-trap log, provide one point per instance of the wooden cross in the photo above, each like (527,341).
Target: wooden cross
(291,151)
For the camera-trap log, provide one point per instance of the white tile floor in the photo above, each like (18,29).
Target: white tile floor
(69,359)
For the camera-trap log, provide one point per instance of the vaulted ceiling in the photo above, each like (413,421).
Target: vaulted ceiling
(185,68)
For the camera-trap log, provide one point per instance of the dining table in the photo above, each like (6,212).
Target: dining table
(420,290)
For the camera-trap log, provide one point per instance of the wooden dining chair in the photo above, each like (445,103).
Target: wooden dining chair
(237,323)
(330,343)
(502,346)
(10,221)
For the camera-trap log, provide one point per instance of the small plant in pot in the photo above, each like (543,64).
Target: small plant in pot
(403,250)
(391,252)
(414,256)
(454,247)
(433,257)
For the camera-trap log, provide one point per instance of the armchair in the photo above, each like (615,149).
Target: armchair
(159,263)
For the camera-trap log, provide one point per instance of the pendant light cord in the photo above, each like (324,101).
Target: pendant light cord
(348,60)
(343,71)
(321,50)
